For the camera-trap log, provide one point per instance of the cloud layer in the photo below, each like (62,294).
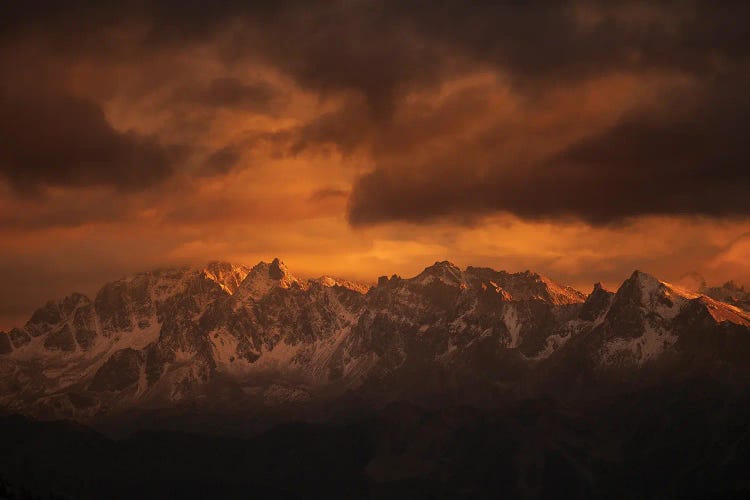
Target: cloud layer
(382,132)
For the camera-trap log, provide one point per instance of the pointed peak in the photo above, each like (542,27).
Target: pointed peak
(277,270)
(443,271)
(597,303)
(640,282)
(640,275)
(385,280)
(74,299)
(645,281)
(599,289)
(442,267)
(650,285)
(265,276)
(444,264)
(653,295)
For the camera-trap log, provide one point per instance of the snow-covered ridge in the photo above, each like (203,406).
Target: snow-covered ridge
(513,286)
(229,276)
(656,312)
(330,281)
(730,293)
(444,272)
(668,300)
(155,338)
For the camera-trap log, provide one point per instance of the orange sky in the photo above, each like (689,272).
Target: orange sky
(348,157)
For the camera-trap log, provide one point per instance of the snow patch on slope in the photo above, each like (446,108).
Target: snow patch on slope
(639,350)
(662,298)
(514,326)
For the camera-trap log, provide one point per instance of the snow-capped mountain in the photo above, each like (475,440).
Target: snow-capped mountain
(730,292)
(232,338)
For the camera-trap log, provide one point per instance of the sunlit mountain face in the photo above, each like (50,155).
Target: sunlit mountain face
(576,171)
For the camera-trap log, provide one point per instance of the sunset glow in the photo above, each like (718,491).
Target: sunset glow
(364,146)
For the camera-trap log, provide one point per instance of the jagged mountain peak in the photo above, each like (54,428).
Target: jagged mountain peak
(443,271)
(650,282)
(598,287)
(648,317)
(643,290)
(644,277)
(442,265)
(277,269)
(228,275)
(525,285)
(667,300)
(384,281)
(265,276)
(597,303)
(332,281)
(651,286)
(731,292)
(166,336)
(600,291)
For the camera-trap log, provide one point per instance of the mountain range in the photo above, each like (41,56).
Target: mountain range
(227,339)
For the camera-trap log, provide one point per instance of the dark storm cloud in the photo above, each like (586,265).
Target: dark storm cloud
(327,193)
(383,48)
(686,156)
(28,214)
(557,40)
(221,161)
(256,96)
(51,138)
(689,156)
(346,128)
(342,43)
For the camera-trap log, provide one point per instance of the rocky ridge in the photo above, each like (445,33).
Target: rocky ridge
(230,338)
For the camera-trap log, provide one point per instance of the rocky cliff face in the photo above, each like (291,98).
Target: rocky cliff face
(228,338)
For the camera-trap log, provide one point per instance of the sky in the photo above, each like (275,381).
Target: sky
(357,138)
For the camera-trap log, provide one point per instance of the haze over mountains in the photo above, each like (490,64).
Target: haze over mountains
(227,339)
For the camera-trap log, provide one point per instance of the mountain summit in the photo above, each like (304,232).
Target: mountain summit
(263,277)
